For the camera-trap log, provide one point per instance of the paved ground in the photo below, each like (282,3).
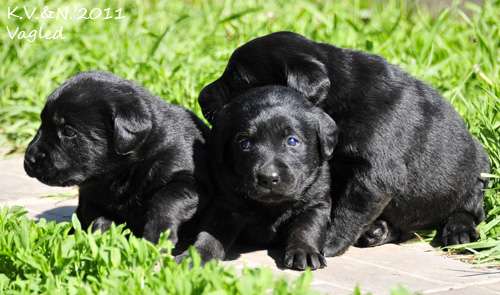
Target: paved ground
(416,265)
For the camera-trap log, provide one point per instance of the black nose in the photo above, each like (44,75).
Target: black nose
(268,177)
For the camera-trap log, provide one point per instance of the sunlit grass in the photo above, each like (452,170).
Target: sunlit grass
(174,48)
(41,258)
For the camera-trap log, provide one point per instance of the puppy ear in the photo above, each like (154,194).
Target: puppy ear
(328,134)
(212,99)
(309,76)
(132,125)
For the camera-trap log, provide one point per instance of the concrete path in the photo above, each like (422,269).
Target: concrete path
(414,265)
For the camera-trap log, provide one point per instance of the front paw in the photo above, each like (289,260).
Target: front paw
(376,234)
(304,256)
(101,224)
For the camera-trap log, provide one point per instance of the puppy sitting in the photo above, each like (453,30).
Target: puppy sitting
(271,149)
(136,159)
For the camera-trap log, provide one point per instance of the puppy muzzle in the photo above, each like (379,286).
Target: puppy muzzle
(274,183)
(34,160)
(38,164)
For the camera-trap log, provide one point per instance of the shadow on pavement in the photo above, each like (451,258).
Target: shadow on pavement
(58,214)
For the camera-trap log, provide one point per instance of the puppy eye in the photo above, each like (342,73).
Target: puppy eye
(67,131)
(245,144)
(292,141)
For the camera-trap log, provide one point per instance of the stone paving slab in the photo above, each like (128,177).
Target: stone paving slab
(416,266)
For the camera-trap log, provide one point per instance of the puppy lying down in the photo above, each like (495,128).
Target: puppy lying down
(270,149)
(136,159)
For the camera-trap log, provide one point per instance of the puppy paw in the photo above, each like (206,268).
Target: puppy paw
(301,257)
(376,234)
(101,224)
(458,233)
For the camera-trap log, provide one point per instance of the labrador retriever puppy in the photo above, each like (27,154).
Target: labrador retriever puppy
(136,159)
(270,149)
(405,160)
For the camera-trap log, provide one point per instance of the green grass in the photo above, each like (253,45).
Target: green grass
(42,258)
(174,48)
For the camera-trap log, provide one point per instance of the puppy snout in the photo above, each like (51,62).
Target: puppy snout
(269,177)
(33,158)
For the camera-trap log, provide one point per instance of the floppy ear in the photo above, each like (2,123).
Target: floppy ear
(131,126)
(309,76)
(212,99)
(328,134)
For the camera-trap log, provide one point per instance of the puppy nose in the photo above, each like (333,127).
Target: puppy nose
(32,157)
(268,179)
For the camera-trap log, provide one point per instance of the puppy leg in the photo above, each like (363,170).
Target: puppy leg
(219,229)
(169,208)
(358,206)
(378,233)
(307,238)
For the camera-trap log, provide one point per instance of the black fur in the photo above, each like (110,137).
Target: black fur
(135,158)
(405,160)
(270,149)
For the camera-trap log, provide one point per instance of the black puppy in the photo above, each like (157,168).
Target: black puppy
(405,160)
(135,158)
(270,149)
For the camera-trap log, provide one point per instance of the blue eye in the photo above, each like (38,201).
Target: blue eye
(292,141)
(245,144)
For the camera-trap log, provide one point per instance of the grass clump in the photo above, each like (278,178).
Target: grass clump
(174,48)
(41,258)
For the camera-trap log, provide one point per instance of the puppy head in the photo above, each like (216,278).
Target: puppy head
(281,58)
(89,125)
(270,144)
